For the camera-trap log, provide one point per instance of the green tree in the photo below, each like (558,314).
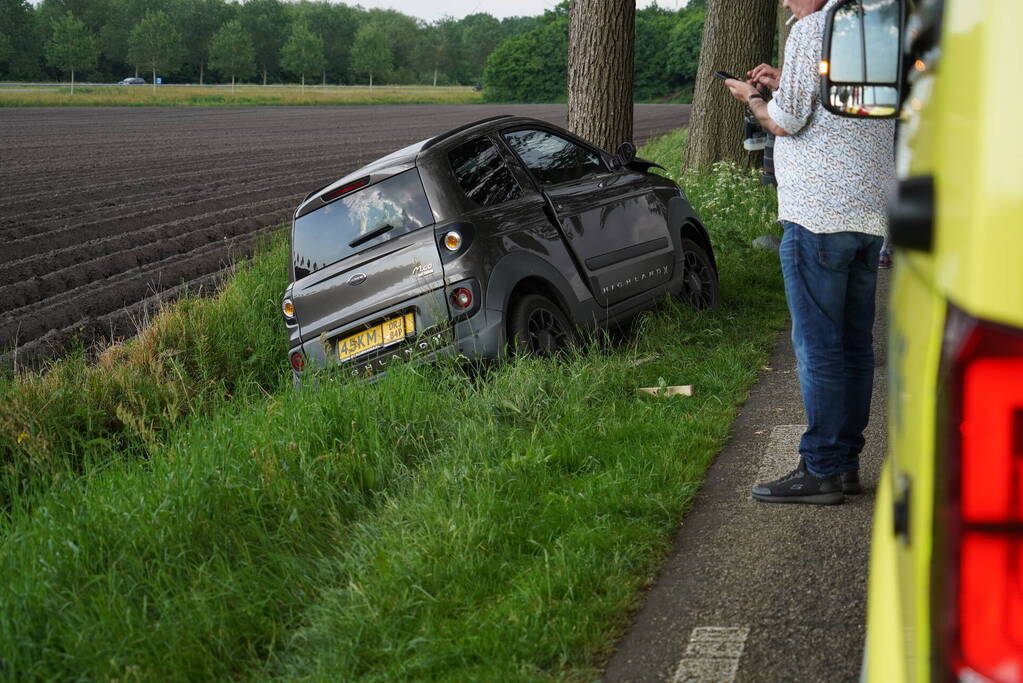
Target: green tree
(24,56)
(370,51)
(155,44)
(684,47)
(231,51)
(265,20)
(336,25)
(72,47)
(303,53)
(197,21)
(5,47)
(481,34)
(531,67)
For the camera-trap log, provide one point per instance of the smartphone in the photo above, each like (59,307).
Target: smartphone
(724,75)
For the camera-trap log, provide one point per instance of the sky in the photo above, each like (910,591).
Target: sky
(431,11)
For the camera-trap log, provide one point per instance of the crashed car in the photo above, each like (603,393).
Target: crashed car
(506,233)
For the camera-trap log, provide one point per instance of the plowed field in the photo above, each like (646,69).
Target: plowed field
(106,212)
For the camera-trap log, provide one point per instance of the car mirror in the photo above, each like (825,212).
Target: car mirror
(625,154)
(861,63)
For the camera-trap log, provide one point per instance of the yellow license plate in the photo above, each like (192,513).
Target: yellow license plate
(385,333)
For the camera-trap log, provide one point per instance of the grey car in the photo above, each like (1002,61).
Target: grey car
(506,233)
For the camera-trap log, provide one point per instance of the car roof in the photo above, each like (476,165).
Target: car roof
(407,157)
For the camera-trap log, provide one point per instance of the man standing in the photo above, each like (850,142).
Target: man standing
(833,178)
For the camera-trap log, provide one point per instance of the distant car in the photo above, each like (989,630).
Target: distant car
(507,232)
(132,80)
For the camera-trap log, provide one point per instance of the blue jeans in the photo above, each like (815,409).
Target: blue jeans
(830,280)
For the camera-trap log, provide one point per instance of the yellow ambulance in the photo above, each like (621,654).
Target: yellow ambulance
(946,576)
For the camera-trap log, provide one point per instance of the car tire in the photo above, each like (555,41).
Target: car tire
(537,326)
(700,288)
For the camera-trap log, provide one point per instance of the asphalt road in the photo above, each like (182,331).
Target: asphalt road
(761,592)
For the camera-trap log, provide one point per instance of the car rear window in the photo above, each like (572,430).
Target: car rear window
(325,236)
(482,173)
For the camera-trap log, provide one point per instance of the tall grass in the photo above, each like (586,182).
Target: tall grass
(435,525)
(240,96)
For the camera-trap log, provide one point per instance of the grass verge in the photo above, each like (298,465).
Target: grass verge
(240,96)
(435,525)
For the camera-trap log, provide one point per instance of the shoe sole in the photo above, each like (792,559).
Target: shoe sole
(852,490)
(817,499)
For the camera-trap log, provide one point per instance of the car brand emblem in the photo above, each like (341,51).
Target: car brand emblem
(357,279)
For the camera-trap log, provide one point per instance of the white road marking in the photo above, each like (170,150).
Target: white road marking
(712,655)
(782,453)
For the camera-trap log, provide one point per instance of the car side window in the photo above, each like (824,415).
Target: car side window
(482,173)
(554,159)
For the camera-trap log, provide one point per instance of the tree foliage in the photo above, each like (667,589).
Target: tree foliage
(447,52)
(231,51)
(371,52)
(72,46)
(155,44)
(303,53)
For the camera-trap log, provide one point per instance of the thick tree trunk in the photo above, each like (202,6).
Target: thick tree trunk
(783,33)
(737,35)
(601,39)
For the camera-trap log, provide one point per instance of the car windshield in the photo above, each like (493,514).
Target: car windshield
(376,213)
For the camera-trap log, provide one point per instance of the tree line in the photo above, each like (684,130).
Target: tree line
(270,41)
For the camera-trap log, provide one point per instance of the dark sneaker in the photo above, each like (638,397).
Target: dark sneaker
(799,486)
(851,483)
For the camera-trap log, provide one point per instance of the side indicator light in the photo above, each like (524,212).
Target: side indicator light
(823,67)
(288,308)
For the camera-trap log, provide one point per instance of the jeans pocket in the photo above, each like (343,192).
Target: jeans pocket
(835,251)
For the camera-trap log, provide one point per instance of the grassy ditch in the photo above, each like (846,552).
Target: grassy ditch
(239,96)
(435,525)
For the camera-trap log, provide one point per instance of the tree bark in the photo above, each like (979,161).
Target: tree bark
(783,33)
(201,71)
(601,40)
(72,81)
(737,35)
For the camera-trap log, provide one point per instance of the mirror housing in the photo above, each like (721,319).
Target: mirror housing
(861,72)
(624,155)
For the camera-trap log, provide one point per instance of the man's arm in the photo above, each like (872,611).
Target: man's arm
(747,94)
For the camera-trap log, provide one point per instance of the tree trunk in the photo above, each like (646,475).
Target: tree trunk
(370,80)
(232,82)
(435,78)
(154,80)
(324,77)
(201,73)
(783,33)
(737,35)
(72,81)
(601,39)
(264,74)
(303,84)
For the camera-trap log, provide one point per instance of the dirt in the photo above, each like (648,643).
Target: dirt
(107,212)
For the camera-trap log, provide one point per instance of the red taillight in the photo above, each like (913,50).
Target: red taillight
(297,362)
(345,189)
(462,297)
(983,630)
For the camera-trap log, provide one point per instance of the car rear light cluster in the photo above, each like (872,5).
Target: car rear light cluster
(297,361)
(983,516)
(345,189)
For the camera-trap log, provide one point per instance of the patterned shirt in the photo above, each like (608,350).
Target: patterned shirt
(833,172)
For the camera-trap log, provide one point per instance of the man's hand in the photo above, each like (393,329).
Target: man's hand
(765,74)
(740,91)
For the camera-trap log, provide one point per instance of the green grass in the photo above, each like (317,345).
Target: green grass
(436,525)
(240,96)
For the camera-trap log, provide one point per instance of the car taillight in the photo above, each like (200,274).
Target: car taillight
(297,362)
(983,515)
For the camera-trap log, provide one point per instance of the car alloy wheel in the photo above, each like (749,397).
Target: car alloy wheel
(539,327)
(699,281)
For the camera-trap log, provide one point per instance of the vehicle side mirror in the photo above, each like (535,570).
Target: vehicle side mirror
(625,154)
(861,63)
